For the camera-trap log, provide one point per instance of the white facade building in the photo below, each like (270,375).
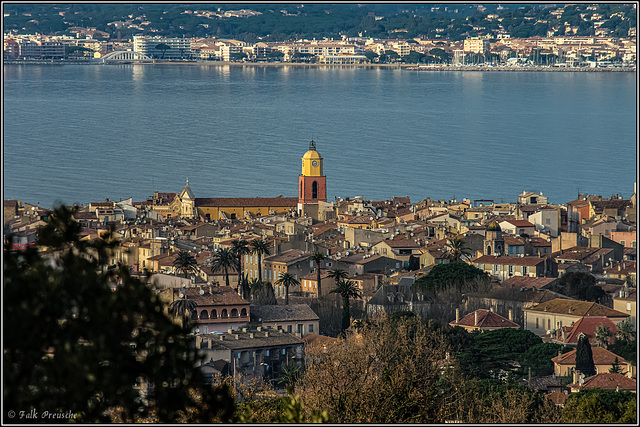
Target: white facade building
(179,48)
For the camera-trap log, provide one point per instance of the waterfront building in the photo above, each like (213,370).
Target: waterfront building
(476,45)
(178,47)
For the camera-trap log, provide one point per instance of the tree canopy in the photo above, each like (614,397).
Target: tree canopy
(71,343)
(458,275)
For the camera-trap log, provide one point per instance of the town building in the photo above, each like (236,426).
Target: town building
(564,363)
(483,320)
(255,353)
(297,319)
(218,308)
(559,312)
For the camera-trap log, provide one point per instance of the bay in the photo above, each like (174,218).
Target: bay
(82,133)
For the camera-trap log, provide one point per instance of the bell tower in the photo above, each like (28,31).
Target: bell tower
(312,184)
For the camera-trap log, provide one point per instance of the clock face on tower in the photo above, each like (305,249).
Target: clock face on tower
(314,163)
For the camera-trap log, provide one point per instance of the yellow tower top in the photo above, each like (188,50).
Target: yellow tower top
(312,161)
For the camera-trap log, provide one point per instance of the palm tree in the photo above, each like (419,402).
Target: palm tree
(625,331)
(182,307)
(317,257)
(186,263)
(602,335)
(260,248)
(286,280)
(347,290)
(223,260)
(456,249)
(240,248)
(290,373)
(338,275)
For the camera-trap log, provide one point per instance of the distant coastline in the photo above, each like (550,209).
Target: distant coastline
(409,67)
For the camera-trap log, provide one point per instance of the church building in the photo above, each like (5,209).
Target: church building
(311,200)
(312,186)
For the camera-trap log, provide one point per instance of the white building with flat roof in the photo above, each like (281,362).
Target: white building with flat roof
(178,48)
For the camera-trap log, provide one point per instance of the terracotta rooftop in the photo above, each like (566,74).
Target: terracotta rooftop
(283,313)
(401,243)
(314,276)
(247,202)
(509,260)
(601,356)
(291,255)
(486,319)
(528,282)
(360,258)
(587,326)
(513,240)
(220,295)
(607,381)
(520,223)
(557,397)
(576,308)
(539,242)
(261,339)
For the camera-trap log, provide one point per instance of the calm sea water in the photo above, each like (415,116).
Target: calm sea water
(80,133)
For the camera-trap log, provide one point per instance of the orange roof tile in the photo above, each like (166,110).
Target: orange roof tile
(607,381)
(601,356)
(486,319)
(576,308)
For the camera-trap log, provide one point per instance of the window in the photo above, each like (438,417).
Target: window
(310,327)
(289,328)
(314,190)
(537,323)
(548,323)
(547,221)
(622,242)
(628,306)
(300,328)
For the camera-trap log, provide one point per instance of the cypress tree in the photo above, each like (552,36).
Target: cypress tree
(584,357)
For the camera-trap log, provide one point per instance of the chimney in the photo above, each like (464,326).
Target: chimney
(244,330)
(237,336)
(251,335)
(221,337)
(266,334)
(259,328)
(476,318)
(229,331)
(576,374)
(198,341)
(210,290)
(511,315)
(457,316)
